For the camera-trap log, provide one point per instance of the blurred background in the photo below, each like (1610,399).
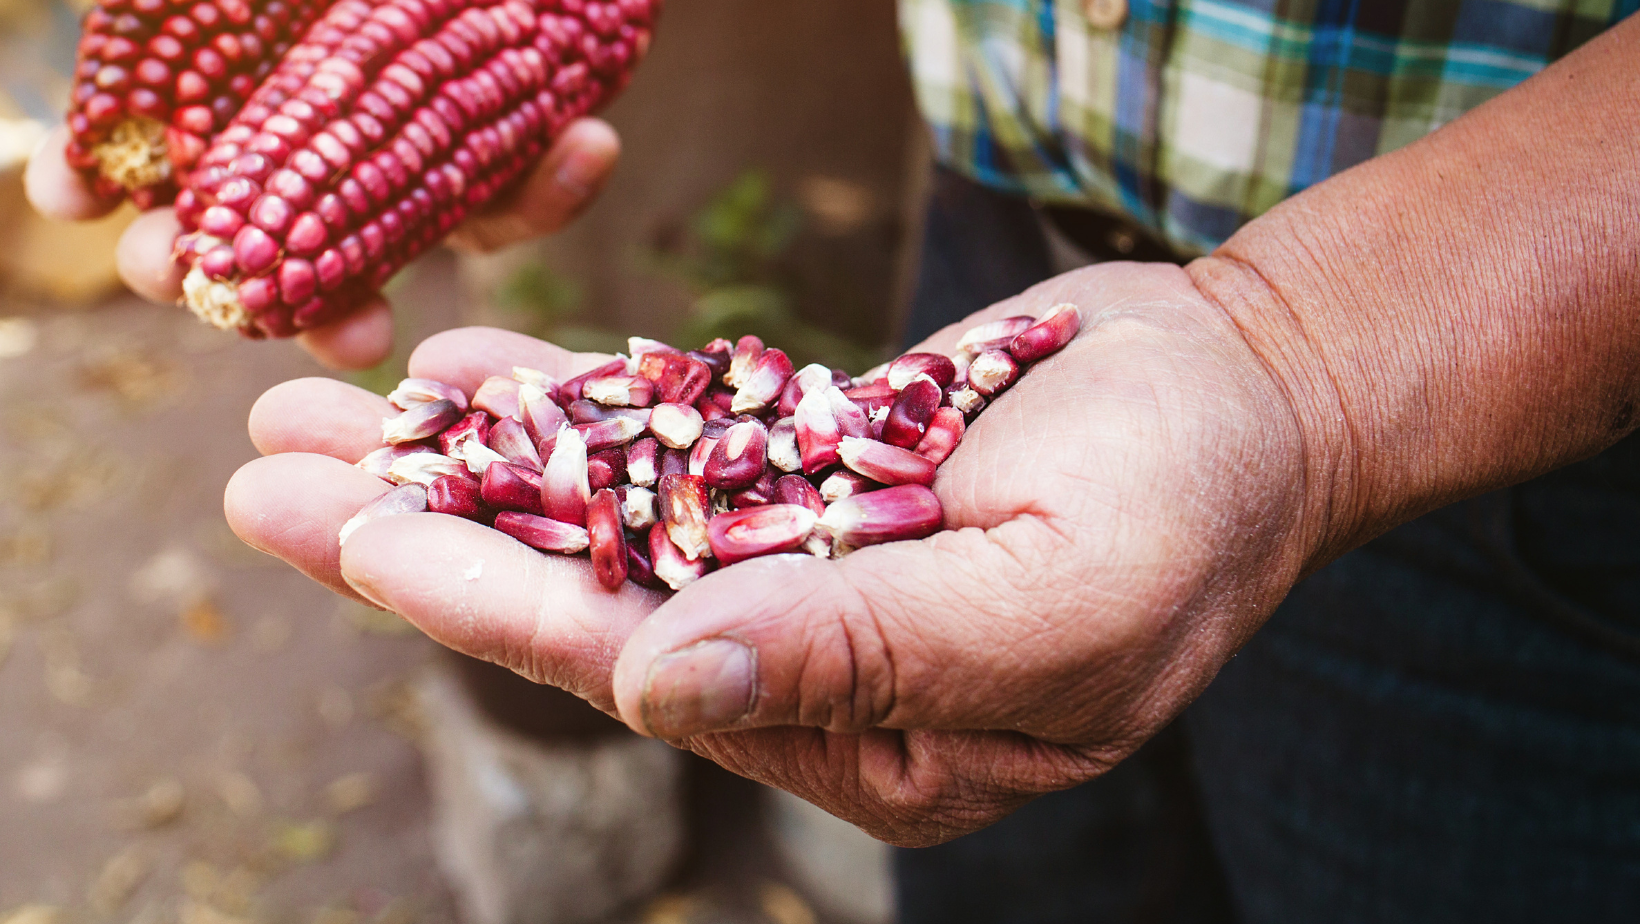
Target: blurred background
(192,733)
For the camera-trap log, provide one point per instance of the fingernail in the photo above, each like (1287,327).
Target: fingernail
(579,172)
(708,686)
(366,591)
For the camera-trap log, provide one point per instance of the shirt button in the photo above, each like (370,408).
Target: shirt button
(1105,14)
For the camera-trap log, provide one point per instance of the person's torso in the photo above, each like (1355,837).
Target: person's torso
(1194,116)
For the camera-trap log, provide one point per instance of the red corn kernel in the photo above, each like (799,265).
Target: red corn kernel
(607,434)
(412,392)
(944,432)
(903,370)
(684,508)
(678,379)
(606,469)
(497,395)
(474,426)
(619,391)
(844,483)
(564,486)
(744,359)
(795,489)
(512,487)
(993,335)
(420,422)
(740,457)
(642,462)
(456,495)
(509,438)
(640,508)
(1048,335)
(543,533)
(910,413)
(677,426)
(872,397)
(607,539)
(541,417)
(571,390)
(410,498)
(817,432)
(992,372)
(639,569)
(966,400)
(423,468)
(784,453)
(380,461)
(669,564)
(772,528)
(908,511)
(884,463)
(762,386)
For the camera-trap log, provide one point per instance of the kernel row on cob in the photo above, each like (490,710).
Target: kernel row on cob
(314,147)
(665,464)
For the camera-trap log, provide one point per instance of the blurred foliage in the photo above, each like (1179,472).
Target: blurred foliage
(731,256)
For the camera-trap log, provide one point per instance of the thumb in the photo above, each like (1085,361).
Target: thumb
(910,634)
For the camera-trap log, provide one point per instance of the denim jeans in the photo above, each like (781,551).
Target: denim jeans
(1443,725)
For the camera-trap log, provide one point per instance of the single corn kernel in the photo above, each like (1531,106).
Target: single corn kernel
(748,350)
(423,467)
(584,411)
(548,385)
(677,426)
(992,372)
(670,564)
(474,426)
(640,570)
(456,495)
(844,483)
(511,487)
(937,367)
(378,462)
(565,489)
(511,440)
(619,391)
(740,457)
(571,390)
(607,539)
(1048,335)
(409,498)
(606,469)
(885,464)
(678,379)
(872,397)
(852,420)
(543,533)
(908,511)
(413,392)
(642,462)
(498,396)
(420,422)
(907,418)
(639,508)
(783,451)
(817,432)
(966,400)
(762,387)
(795,489)
(944,432)
(684,511)
(477,457)
(801,383)
(993,335)
(767,530)
(539,414)
(607,434)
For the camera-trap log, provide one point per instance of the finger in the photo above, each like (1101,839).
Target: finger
(144,256)
(560,188)
(482,593)
(359,341)
(466,357)
(947,632)
(293,505)
(320,416)
(57,190)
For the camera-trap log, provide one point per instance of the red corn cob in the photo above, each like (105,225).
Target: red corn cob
(607,539)
(155,80)
(375,135)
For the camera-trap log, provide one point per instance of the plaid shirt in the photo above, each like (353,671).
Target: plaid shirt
(1194,116)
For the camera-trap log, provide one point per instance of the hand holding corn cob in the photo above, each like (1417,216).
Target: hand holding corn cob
(1116,524)
(313,147)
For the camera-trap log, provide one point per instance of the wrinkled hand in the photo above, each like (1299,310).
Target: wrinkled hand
(563,185)
(1122,520)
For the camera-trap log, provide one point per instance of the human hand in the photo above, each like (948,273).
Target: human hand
(1120,521)
(562,186)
